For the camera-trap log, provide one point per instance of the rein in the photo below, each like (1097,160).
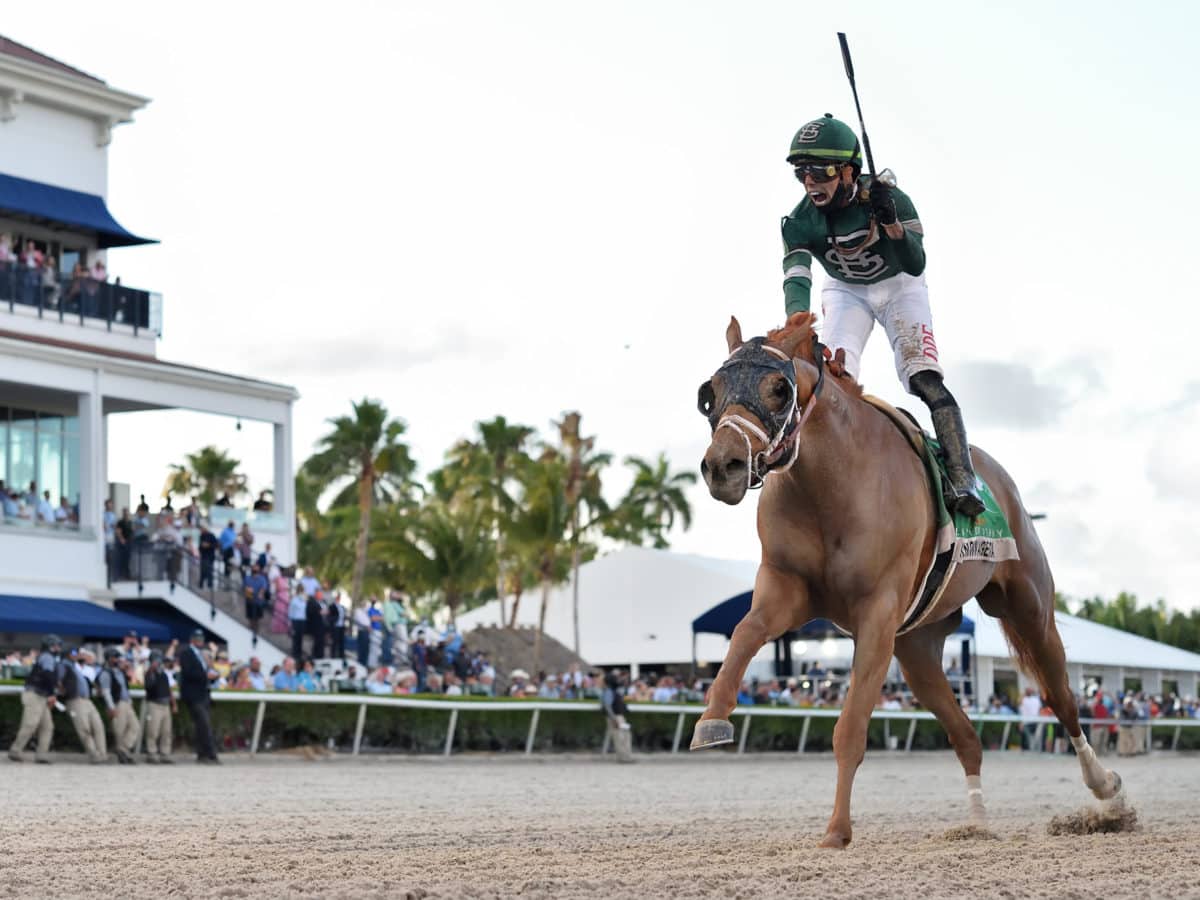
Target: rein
(766,461)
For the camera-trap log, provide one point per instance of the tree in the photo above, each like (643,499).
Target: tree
(486,469)
(443,550)
(581,489)
(540,526)
(364,460)
(654,502)
(208,474)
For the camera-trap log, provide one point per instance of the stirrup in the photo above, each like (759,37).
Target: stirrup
(964,501)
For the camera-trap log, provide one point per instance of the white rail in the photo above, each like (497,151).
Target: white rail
(681,710)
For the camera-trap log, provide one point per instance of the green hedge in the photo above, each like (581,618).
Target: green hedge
(287,725)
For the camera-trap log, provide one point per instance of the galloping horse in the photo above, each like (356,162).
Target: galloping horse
(847,529)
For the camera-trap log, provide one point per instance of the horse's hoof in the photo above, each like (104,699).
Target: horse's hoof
(711,733)
(834,840)
(1109,790)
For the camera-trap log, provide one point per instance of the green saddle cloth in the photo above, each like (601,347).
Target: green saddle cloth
(987,536)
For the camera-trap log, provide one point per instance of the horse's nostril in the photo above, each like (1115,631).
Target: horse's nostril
(703,467)
(735,465)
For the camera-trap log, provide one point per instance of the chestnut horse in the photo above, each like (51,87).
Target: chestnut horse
(847,531)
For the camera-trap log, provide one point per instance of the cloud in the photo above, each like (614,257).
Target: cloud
(1009,395)
(1048,494)
(1171,464)
(338,355)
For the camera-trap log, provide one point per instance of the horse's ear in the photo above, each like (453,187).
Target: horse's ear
(733,334)
(795,338)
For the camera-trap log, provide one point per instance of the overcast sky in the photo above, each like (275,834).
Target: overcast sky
(471,209)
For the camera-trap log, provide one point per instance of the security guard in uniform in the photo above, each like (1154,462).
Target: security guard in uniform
(37,700)
(77,692)
(158,714)
(113,685)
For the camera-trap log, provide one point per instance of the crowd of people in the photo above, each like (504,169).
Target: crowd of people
(30,275)
(31,507)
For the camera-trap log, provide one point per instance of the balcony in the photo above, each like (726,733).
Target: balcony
(80,300)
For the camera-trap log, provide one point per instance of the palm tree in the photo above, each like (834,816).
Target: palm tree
(655,500)
(208,473)
(364,459)
(444,549)
(581,489)
(485,467)
(540,526)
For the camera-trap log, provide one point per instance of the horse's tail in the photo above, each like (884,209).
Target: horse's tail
(1020,648)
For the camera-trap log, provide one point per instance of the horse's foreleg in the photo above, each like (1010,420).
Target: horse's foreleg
(780,601)
(872,655)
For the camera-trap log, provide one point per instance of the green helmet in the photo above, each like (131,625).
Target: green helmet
(826,138)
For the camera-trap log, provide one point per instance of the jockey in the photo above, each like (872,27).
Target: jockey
(869,241)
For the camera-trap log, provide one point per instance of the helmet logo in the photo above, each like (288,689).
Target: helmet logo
(809,133)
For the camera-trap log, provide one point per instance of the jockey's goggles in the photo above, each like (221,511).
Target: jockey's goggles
(817,171)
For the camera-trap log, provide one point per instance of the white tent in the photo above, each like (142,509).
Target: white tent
(636,607)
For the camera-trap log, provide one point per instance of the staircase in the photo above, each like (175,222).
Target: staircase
(164,571)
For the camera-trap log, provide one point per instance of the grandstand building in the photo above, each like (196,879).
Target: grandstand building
(76,347)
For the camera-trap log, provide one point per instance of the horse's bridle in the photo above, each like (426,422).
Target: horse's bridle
(742,372)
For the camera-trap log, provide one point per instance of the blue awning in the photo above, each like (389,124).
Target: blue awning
(723,618)
(61,207)
(38,615)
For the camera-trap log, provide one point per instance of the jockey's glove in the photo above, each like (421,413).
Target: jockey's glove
(883,204)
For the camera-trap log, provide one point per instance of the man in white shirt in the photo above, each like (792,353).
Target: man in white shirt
(1031,708)
(45,509)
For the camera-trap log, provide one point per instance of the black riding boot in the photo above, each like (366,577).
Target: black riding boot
(952,435)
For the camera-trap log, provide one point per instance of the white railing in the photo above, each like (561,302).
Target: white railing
(681,710)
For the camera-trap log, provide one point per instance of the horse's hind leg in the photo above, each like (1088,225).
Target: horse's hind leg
(1028,622)
(920,655)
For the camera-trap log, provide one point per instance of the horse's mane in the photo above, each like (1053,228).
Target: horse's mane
(795,338)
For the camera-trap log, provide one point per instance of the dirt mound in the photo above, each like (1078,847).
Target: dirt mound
(1114,816)
(512,648)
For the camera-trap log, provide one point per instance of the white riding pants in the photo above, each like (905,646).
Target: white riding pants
(900,304)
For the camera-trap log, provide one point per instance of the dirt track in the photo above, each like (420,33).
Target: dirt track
(691,826)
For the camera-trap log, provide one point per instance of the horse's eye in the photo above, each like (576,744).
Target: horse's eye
(706,399)
(782,390)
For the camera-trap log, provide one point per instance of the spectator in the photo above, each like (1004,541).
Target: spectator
(337,628)
(309,582)
(419,655)
(228,540)
(285,679)
(245,544)
(255,590)
(281,591)
(124,543)
(375,638)
(49,282)
(44,510)
(1031,708)
(262,504)
(209,545)
(224,500)
(108,520)
(254,675)
(306,680)
(378,682)
(63,513)
(395,627)
(315,625)
(297,620)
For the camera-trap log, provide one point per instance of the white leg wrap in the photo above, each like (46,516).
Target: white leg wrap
(1102,783)
(975,807)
